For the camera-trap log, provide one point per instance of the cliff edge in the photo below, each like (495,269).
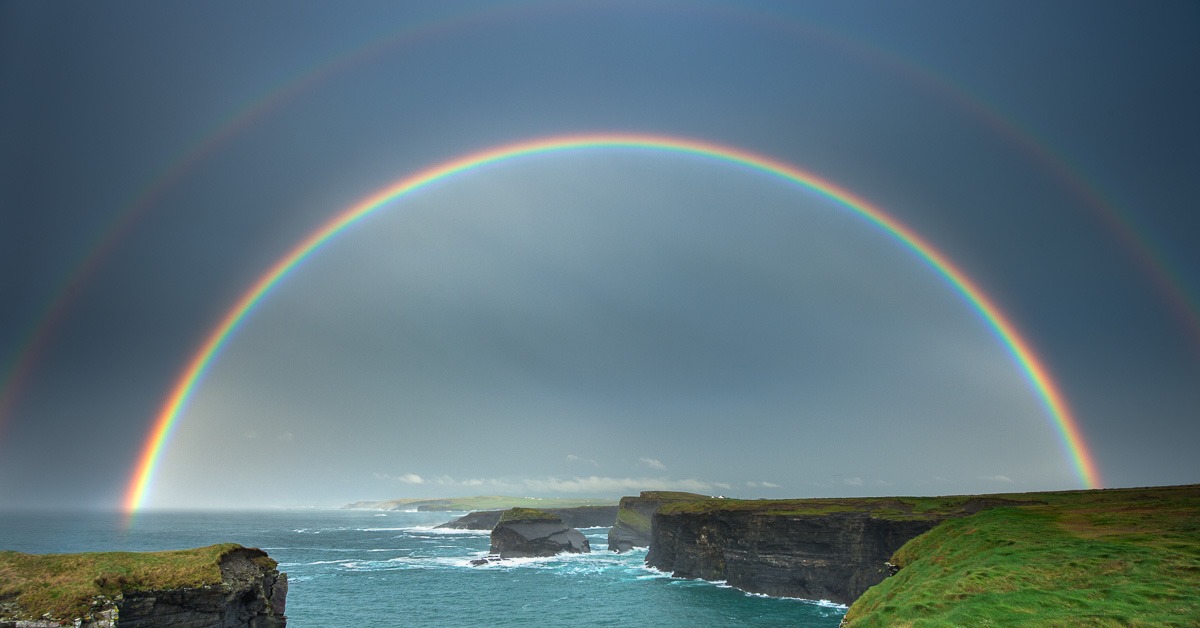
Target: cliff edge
(225,586)
(635,515)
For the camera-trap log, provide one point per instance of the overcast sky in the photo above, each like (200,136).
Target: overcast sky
(605,321)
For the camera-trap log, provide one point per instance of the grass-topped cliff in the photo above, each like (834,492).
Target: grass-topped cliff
(1123,557)
(635,513)
(65,585)
(1115,557)
(527,514)
(897,508)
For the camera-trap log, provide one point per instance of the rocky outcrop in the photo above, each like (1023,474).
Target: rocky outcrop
(252,593)
(634,516)
(525,532)
(581,517)
(834,556)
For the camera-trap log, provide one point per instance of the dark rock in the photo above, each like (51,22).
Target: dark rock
(834,556)
(634,516)
(250,596)
(581,517)
(523,532)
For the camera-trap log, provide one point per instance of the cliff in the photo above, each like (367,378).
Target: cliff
(223,586)
(581,517)
(634,516)
(818,549)
(526,532)
(835,556)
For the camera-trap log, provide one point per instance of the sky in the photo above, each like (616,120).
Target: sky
(607,320)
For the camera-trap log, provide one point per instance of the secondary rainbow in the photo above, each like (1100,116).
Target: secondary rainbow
(1019,349)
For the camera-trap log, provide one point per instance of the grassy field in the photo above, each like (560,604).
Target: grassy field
(1127,557)
(64,585)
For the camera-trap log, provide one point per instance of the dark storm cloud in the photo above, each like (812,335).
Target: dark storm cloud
(721,317)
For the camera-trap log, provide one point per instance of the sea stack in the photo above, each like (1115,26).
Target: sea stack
(527,532)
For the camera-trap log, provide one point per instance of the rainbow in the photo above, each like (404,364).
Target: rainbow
(1018,348)
(14,375)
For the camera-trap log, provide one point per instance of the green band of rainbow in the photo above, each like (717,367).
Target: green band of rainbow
(1019,349)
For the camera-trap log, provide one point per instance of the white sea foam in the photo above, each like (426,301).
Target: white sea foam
(323,562)
(433,530)
(724,584)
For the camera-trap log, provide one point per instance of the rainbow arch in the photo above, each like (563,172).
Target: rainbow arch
(1019,349)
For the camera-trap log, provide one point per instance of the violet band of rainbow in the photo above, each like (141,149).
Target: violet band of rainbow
(1038,376)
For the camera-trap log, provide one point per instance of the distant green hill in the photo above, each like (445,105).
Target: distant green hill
(481,502)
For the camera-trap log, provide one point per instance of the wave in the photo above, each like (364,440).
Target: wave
(318,562)
(824,603)
(435,530)
(724,584)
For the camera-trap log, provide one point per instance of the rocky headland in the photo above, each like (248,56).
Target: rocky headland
(477,503)
(835,556)
(817,549)
(221,586)
(526,532)
(635,516)
(580,517)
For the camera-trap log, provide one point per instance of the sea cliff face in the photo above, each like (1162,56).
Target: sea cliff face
(250,596)
(834,556)
(635,516)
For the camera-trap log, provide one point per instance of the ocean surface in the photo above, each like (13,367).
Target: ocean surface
(370,568)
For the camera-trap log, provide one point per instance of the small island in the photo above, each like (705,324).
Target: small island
(528,532)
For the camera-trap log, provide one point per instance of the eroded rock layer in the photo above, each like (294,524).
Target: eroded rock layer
(834,556)
(523,533)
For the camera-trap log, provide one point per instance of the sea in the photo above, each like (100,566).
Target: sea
(374,568)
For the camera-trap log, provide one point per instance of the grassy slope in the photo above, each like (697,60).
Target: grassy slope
(483,502)
(64,585)
(1120,557)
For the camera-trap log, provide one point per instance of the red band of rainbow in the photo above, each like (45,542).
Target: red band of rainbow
(1039,377)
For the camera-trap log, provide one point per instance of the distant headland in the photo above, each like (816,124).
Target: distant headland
(479,502)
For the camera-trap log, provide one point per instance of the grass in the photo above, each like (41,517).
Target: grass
(1127,557)
(881,507)
(64,585)
(633,520)
(527,514)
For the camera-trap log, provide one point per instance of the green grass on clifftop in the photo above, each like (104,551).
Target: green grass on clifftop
(527,514)
(880,507)
(64,585)
(1128,557)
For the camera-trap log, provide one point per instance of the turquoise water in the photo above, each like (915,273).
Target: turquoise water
(365,568)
